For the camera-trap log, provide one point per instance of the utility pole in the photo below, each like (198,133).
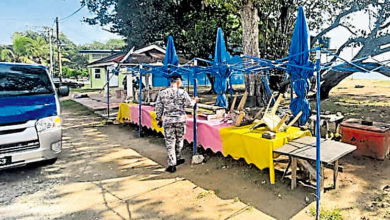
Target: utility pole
(59,50)
(50,30)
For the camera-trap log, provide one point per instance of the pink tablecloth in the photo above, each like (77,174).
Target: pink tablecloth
(208,133)
(145,111)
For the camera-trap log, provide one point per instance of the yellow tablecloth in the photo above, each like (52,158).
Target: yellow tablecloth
(154,123)
(123,112)
(240,142)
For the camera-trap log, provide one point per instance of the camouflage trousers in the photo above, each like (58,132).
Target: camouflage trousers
(174,140)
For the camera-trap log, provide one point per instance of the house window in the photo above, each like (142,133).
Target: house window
(97,74)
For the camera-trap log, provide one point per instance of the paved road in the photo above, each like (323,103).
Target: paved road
(97,179)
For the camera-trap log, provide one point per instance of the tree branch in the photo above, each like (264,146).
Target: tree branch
(372,46)
(348,28)
(354,8)
(384,70)
(385,25)
(347,44)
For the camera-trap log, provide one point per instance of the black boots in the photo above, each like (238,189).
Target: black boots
(180,161)
(171,169)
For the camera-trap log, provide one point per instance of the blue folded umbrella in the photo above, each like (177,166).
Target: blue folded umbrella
(220,69)
(299,56)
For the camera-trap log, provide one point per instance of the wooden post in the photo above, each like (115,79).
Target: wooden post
(233,103)
(322,179)
(242,101)
(335,173)
(293,173)
(59,50)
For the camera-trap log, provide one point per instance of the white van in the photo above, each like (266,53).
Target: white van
(30,122)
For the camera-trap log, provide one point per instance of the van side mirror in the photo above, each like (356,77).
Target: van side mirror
(63,91)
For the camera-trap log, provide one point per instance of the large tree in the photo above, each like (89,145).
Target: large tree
(370,43)
(33,47)
(192,23)
(266,30)
(266,26)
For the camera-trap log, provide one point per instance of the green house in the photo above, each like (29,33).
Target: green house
(98,68)
(97,75)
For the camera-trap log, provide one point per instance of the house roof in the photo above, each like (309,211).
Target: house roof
(98,51)
(152,54)
(107,61)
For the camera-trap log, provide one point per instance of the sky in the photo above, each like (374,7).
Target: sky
(340,35)
(20,15)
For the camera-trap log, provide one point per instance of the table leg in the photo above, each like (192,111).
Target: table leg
(335,173)
(293,173)
(322,180)
(288,166)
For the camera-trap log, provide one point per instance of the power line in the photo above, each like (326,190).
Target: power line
(62,19)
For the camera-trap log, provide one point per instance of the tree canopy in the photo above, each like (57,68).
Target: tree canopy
(264,26)
(33,47)
(192,23)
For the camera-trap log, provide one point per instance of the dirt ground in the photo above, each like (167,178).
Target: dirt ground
(104,170)
(99,176)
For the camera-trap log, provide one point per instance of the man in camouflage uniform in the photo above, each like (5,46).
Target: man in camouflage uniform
(171,103)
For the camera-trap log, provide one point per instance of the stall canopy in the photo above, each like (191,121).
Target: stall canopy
(298,58)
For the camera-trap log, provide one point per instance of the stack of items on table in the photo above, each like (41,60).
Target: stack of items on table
(329,125)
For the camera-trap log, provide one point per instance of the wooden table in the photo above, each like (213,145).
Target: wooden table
(305,149)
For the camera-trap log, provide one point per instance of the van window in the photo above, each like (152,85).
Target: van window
(18,80)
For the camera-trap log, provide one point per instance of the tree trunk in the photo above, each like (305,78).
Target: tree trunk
(333,78)
(250,40)
(211,79)
(330,80)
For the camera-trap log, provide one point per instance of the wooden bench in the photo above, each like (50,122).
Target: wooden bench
(305,149)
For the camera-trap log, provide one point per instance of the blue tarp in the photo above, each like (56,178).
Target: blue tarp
(300,44)
(159,80)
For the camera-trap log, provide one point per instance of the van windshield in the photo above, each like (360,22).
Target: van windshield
(16,80)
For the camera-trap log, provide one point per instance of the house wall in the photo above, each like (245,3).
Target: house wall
(97,83)
(121,76)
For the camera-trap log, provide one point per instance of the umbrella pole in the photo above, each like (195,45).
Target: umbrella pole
(318,133)
(291,90)
(195,144)
(108,94)
(188,83)
(231,88)
(140,103)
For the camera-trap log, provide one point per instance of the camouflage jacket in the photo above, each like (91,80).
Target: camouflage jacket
(171,103)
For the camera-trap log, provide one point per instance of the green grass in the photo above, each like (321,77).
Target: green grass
(355,108)
(76,107)
(205,194)
(328,214)
(84,90)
